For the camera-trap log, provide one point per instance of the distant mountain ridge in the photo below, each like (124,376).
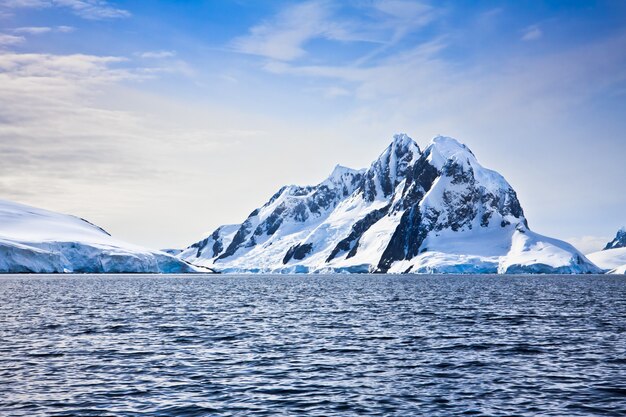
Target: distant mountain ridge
(431,211)
(619,241)
(613,257)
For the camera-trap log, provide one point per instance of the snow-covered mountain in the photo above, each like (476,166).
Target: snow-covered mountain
(36,240)
(613,257)
(619,241)
(431,211)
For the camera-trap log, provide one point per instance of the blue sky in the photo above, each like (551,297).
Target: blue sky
(161,120)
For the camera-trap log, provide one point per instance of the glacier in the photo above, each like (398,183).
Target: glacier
(436,210)
(34,240)
(613,257)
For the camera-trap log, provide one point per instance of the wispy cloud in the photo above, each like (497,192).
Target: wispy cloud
(54,124)
(60,136)
(532,33)
(77,125)
(157,54)
(33,30)
(399,18)
(25,3)
(422,76)
(403,16)
(87,9)
(40,30)
(48,124)
(93,9)
(6,39)
(285,36)
(415,71)
(89,69)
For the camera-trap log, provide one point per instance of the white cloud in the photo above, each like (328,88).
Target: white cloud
(157,54)
(384,22)
(49,124)
(33,30)
(25,3)
(416,71)
(406,10)
(285,36)
(88,9)
(532,33)
(76,138)
(6,39)
(88,69)
(93,9)
(420,76)
(405,16)
(40,30)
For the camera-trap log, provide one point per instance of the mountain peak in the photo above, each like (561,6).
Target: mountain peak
(444,148)
(404,213)
(619,241)
(341,170)
(449,146)
(342,176)
(402,140)
(390,168)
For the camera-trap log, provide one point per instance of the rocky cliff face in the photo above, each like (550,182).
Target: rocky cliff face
(411,211)
(291,208)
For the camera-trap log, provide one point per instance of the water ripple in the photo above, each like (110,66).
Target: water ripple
(312,345)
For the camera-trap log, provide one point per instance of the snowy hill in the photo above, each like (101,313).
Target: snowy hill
(436,211)
(36,240)
(613,256)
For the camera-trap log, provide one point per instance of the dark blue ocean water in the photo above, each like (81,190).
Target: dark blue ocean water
(313,345)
